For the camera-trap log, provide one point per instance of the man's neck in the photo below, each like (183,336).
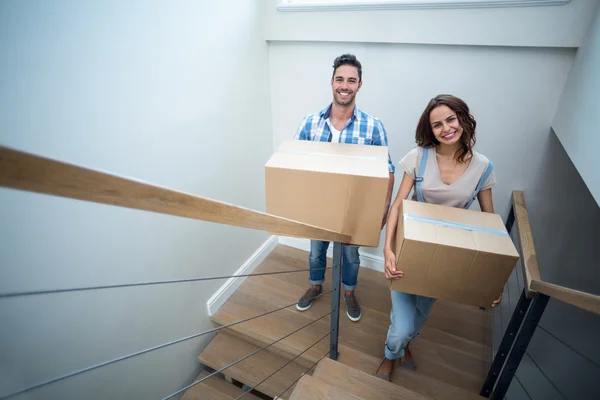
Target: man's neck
(341,113)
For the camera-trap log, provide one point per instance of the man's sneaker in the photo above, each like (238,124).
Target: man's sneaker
(352,307)
(309,297)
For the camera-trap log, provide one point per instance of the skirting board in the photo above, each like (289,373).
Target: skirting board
(366,260)
(230,286)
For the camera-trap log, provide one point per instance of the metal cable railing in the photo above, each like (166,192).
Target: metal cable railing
(250,355)
(137,353)
(123,285)
(27,172)
(305,372)
(282,367)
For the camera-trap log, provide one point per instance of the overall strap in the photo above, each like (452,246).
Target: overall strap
(484,178)
(419,180)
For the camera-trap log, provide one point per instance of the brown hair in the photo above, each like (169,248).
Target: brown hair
(425,137)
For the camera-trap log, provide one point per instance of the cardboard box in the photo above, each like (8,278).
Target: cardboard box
(341,187)
(451,253)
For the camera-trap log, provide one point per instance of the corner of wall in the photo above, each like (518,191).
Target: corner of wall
(232,284)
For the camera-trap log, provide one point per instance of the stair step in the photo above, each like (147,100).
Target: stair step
(362,384)
(225,349)
(202,392)
(215,388)
(309,388)
(429,386)
(413,380)
(252,299)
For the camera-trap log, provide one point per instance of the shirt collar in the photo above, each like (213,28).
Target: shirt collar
(324,113)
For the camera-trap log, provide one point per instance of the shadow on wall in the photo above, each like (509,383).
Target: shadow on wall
(565,221)
(563,358)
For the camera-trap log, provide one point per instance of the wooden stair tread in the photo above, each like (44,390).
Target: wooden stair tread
(225,389)
(362,384)
(412,380)
(225,349)
(251,299)
(309,388)
(203,392)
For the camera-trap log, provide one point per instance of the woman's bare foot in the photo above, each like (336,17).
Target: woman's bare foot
(385,369)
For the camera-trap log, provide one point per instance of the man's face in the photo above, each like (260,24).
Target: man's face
(345,85)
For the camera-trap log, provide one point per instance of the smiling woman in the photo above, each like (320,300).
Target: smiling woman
(444,169)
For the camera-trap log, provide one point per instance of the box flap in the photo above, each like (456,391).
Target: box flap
(339,158)
(450,226)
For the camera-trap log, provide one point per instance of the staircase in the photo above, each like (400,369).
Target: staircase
(453,353)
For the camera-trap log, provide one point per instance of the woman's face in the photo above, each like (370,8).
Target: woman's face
(445,125)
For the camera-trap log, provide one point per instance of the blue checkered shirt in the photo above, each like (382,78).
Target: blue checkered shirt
(362,128)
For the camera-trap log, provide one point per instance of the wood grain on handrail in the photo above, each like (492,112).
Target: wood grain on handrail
(586,301)
(531,269)
(20,170)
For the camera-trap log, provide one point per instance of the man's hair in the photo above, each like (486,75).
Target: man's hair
(347,59)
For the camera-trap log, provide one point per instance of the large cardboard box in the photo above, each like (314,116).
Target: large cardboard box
(341,187)
(451,253)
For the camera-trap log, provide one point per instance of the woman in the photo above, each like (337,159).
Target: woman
(444,169)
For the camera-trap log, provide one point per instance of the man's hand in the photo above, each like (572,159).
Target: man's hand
(496,302)
(390,265)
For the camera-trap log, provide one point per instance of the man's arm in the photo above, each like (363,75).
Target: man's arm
(388,200)
(380,139)
(303,131)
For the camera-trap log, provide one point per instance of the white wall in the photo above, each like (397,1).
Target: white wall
(575,122)
(173,93)
(548,26)
(512,93)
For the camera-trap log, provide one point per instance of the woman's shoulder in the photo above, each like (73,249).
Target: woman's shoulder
(414,151)
(409,161)
(481,170)
(480,159)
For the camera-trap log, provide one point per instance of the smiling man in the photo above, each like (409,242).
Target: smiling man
(342,122)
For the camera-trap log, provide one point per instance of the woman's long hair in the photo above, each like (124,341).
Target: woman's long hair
(425,137)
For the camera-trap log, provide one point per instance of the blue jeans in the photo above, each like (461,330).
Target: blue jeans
(409,314)
(318,260)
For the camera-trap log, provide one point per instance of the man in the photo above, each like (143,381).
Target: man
(342,122)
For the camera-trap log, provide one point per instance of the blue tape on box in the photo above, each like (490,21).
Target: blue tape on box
(440,222)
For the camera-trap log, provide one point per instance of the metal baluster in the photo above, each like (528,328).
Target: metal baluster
(336,282)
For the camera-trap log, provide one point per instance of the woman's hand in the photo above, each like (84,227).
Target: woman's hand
(496,302)
(390,265)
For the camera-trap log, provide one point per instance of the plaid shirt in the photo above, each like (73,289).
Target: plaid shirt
(362,128)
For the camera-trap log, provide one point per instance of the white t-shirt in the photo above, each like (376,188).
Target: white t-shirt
(434,190)
(335,134)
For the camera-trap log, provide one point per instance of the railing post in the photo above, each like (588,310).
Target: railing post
(507,341)
(538,305)
(336,283)
(510,220)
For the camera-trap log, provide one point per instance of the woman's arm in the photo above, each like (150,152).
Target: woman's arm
(390,232)
(485,201)
(486,204)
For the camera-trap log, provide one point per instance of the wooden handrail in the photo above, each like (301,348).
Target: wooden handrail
(586,301)
(24,171)
(531,269)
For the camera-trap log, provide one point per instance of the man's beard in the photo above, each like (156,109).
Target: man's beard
(339,101)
